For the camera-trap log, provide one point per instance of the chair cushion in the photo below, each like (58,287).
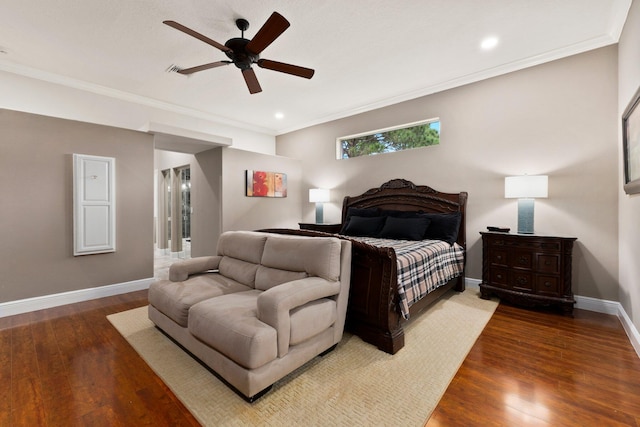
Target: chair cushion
(174,299)
(230,325)
(319,256)
(311,319)
(267,277)
(244,245)
(239,270)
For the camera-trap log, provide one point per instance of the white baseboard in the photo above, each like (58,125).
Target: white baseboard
(47,301)
(472,283)
(615,308)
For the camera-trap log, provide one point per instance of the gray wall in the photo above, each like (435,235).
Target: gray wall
(206,221)
(206,188)
(36,216)
(629,205)
(218,193)
(558,119)
(250,213)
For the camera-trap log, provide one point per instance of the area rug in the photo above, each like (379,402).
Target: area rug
(356,384)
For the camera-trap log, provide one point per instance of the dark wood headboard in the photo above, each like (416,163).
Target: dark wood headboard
(403,195)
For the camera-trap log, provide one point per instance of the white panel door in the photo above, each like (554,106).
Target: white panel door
(94,210)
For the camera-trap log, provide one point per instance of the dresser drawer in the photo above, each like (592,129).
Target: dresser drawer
(522,259)
(548,285)
(499,276)
(498,257)
(521,281)
(548,263)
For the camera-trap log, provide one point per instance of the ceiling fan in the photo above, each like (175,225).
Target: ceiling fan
(243,52)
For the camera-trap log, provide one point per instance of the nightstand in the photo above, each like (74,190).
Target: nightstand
(527,269)
(326,228)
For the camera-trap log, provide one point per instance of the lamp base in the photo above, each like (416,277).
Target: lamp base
(319,215)
(525,216)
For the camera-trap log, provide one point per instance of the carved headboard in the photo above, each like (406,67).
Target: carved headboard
(403,195)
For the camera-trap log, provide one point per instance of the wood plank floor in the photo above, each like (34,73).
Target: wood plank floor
(531,368)
(67,366)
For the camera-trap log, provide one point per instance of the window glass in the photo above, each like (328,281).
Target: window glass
(398,138)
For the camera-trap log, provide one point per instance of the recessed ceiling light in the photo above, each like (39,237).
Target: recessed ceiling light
(279,115)
(489,43)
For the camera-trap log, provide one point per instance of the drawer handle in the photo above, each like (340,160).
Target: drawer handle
(523,259)
(521,281)
(499,276)
(547,284)
(499,257)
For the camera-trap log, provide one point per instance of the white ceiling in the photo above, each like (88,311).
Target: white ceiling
(366,53)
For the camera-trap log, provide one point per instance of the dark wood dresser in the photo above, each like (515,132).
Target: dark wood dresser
(527,269)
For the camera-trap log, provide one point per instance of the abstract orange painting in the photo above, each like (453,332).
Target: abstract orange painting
(266,184)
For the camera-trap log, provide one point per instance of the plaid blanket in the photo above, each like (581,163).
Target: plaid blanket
(423,266)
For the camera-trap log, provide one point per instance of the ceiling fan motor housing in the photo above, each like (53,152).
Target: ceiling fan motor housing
(240,56)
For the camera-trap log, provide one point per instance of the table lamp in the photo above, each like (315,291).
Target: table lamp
(526,188)
(318,196)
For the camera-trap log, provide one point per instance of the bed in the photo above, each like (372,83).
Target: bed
(377,308)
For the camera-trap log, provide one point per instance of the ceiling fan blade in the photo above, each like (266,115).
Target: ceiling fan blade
(295,70)
(197,35)
(251,80)
(203,67)
(275,25)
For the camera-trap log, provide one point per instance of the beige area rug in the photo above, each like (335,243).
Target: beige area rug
(356,384)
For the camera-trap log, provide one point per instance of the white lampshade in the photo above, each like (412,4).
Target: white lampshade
(526,186)
(318,195)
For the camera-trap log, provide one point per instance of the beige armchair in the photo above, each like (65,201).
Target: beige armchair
(262,307)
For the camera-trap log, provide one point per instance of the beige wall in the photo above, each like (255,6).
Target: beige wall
(250,213)
(36,216)
(629,205)
(206,222)
(218,193)
(206,188)
(558,119)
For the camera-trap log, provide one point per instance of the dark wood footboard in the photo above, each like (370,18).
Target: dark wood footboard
(373,299)
(373,312)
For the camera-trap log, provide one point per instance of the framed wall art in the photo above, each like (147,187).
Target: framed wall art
(266,184)
(631,145)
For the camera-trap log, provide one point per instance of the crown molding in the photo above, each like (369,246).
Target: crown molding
(458,81)
(120,95)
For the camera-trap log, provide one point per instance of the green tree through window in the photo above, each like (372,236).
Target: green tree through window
(410,136)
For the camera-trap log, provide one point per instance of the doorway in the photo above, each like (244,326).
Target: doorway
(174,212)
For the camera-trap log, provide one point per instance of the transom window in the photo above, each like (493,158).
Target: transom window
(389,140)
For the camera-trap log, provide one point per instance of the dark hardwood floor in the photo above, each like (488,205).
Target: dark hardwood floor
(67,366)
(536,368)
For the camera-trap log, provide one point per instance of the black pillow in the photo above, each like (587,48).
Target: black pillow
(404,228)
(443,226)
(363,226)
(402,214)
(362,212)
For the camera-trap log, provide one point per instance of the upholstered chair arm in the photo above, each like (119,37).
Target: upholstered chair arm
(180,271)
(275,304)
